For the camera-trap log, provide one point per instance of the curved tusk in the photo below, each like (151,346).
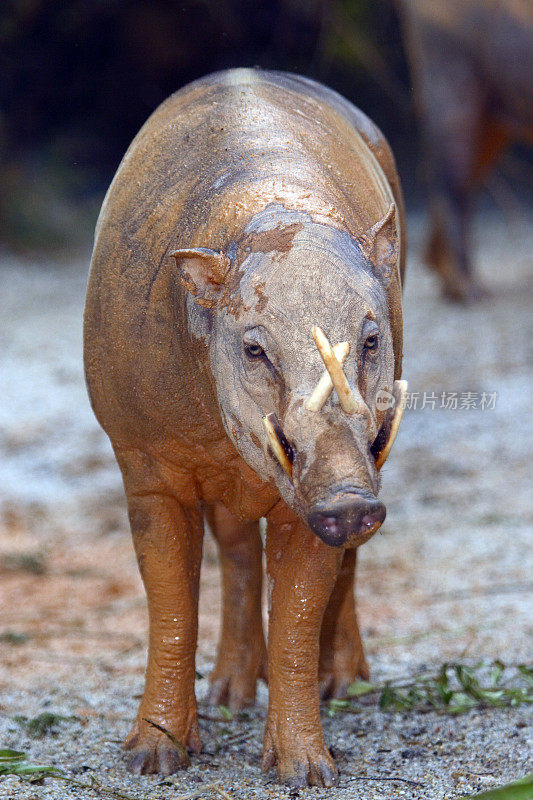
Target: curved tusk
(338,378)
(278,442)
(324,386)
(387,433)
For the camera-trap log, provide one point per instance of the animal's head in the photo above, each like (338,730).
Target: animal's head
(302,355)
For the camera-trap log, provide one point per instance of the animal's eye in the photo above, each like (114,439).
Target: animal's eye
(254,351)
(372,342)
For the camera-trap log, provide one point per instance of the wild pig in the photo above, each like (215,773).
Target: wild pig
(472,65)
(251,236)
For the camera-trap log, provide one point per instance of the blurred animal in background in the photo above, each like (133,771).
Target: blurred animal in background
(472,66)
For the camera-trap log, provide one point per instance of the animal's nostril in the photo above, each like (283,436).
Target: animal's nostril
(328,527)
(372,518)
(330,524)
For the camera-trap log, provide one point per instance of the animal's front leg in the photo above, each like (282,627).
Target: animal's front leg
(301,572)
(342,656)
(168,543)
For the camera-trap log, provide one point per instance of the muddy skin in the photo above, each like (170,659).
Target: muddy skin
(342,658)
(251,207)
(241,657)
(472,65)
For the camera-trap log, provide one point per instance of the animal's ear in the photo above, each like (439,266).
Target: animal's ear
(381,243)
(203,272)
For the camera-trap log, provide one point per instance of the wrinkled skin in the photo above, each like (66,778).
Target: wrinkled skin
(472,65)
(223,239)
(277,317)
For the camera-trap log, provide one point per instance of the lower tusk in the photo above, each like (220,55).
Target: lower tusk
(324,386)
(278,442)
(346,397)
(387,434)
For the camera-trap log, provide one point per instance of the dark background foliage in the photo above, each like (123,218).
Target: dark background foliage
(79,77)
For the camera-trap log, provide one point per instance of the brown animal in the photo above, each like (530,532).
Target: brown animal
(472,64)
(256,218)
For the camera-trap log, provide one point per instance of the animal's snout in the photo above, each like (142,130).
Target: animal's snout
(336,520)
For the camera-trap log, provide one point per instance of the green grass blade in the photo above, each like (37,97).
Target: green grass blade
(518,790)
(225,713)
(360,688)
(12,755)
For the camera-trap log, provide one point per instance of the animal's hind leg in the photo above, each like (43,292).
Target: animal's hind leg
(448,246)
(241,658)
(453,100)
(342,658)
(168,542)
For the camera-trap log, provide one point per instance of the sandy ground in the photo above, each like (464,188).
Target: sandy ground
(448,578)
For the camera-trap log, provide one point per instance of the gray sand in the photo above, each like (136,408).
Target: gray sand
(448,578)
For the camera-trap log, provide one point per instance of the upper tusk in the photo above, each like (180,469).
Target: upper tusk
(324,386)
(278,442)
(346,397)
